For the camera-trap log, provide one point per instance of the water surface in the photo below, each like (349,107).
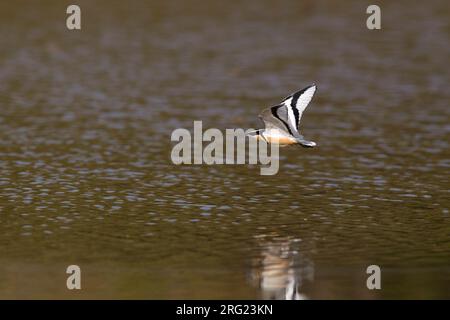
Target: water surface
(86,176)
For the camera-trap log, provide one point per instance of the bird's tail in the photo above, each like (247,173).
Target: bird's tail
(307,144)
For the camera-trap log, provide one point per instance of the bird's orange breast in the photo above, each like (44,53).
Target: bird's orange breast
(278,139)
(281,140)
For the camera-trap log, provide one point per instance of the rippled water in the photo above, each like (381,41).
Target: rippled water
(86,176)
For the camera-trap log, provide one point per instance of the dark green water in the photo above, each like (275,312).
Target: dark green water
(85,170)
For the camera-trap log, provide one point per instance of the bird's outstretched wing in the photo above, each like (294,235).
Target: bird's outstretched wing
(286,116)
(296,103)
(275,118)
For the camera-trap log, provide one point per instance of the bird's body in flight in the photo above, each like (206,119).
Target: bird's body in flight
(282,122)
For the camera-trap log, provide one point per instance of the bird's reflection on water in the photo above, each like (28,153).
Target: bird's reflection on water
(282,270)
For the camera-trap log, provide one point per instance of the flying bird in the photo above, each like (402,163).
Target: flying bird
(282,122)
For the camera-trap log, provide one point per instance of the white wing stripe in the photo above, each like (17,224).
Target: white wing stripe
(299,101)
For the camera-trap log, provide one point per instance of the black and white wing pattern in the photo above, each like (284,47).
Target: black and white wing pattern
(296,103)
(276,119)
(286,116)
